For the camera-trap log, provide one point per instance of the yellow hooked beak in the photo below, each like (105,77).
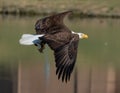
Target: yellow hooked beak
(84,36)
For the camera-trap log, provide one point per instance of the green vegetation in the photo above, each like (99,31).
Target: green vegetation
(91,8)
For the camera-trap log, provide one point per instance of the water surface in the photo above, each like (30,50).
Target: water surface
(24,70)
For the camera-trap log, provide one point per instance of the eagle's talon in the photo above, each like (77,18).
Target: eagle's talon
(40,50)
(42,47)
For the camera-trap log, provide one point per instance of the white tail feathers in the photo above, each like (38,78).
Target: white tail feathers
(29,39)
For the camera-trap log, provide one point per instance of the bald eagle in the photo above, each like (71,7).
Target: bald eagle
(52,31)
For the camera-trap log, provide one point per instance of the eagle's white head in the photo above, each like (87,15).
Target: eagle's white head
(81,35)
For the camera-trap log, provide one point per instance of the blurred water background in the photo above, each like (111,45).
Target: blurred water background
(24,70)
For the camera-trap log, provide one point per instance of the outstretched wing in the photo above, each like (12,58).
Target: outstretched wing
(51,23)
(65,58)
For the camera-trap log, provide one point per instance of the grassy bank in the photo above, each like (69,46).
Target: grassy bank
(88,8)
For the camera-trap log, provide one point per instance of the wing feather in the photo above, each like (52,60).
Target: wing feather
(65,58)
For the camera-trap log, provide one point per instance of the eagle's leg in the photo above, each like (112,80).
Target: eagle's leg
(42,47)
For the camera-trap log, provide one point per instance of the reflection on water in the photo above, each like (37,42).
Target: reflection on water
(24,70)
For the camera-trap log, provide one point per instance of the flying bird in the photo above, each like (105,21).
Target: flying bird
(52,31)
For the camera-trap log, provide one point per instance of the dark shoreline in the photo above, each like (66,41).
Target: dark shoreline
(34,12)
(77,15)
